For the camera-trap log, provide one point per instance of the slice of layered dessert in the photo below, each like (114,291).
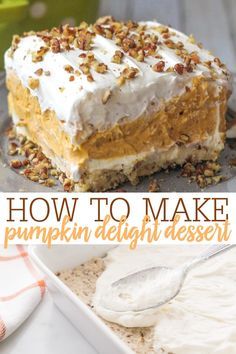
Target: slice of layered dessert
(115,101)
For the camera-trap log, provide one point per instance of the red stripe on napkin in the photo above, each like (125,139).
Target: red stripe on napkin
(33,271)
(2,329)
(35,281)
(21,291)
(10,258)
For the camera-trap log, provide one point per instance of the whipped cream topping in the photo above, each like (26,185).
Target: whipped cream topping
(200,320)
(79,104)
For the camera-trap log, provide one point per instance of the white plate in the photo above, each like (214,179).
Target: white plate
(81,316)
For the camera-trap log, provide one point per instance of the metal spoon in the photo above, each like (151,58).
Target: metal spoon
(155,286)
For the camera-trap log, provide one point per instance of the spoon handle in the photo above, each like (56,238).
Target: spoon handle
(214,250)
(210,252)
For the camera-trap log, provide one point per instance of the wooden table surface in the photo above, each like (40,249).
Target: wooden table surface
(213,22)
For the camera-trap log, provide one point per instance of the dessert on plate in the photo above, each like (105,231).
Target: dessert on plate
(115,101)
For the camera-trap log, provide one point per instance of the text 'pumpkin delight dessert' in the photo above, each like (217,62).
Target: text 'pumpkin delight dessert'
(115,101)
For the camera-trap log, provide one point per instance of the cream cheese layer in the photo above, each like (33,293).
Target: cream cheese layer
(79,103)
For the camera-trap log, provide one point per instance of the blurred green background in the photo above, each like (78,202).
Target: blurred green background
(17,16)
(211,21)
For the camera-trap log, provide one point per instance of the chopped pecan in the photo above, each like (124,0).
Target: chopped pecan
(153,186)
(159,67)
(130,72)
(16,164)
(179,68)
(106,96)
(33,83)
(39,72)
(55,45)
(117,57)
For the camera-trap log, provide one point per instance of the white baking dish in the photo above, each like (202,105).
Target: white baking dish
(61,257)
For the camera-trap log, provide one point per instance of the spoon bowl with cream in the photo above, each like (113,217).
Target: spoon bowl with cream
(153,287)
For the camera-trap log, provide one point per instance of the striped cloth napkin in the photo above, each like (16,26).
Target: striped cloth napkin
(21,288)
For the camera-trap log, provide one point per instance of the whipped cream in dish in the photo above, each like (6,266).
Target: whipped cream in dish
(78,103)
(200,320)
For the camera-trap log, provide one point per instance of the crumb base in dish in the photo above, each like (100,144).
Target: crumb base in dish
(82,281)
(188,127)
